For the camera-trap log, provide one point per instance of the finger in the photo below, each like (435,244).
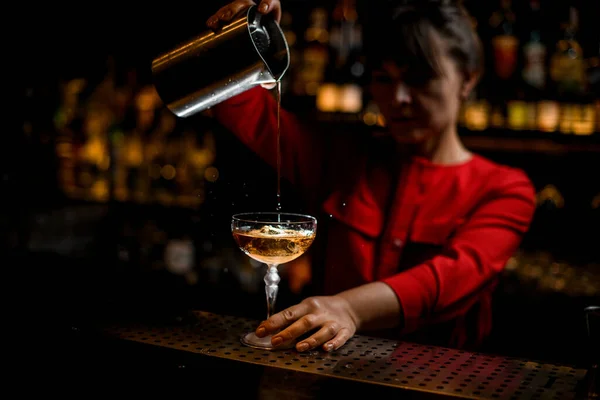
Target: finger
(226,13)
(271,6)
(327,332)
(338,341)
(305,324)
(282,319)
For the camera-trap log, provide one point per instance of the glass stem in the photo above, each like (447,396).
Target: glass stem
(271,287)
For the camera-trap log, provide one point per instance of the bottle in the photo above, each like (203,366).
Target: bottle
(534,52)
(505,42)
(315,55)
(346,67)
(567,69)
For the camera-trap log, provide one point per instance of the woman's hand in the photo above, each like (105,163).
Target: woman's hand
(226,13)
(332,320)
(331,317)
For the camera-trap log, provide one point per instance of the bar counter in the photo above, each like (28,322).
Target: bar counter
(206,351)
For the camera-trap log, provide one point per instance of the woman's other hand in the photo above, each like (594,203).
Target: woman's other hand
(330,319)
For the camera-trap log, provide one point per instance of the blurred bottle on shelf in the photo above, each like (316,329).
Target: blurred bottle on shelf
(315,55)
(550,198)
(342,89)
(534,53)
(567,63)
(116,141)
(67,123)
(505,43)
(93,157)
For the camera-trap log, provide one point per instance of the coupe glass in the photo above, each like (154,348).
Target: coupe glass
(273,238)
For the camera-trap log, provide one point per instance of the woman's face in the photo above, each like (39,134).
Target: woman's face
(417,111)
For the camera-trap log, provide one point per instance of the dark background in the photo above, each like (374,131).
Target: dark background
(56,42)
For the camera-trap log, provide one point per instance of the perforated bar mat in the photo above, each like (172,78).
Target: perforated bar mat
(409,366)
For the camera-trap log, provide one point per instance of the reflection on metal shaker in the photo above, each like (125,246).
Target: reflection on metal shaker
(214,66)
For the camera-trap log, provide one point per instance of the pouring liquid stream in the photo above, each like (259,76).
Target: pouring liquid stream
(278,145)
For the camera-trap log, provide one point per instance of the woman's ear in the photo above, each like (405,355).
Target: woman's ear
(469,84)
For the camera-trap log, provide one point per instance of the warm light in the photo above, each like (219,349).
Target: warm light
(134,152)
(567,116)
(598,115)
(370,118)
(548,114)
(168,172)
(100,190)
(350,98)
(64,150)
(476,115)
(211,174)
(517,114)
(327,97)
(585,119)
(201,158)
(550,193)
(147,98)
(75,86)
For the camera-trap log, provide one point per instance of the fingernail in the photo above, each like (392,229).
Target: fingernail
(260,332)
(277,340)
(328,347)
(264,7)
(303,346)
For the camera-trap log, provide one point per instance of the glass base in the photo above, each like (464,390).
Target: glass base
(251,340)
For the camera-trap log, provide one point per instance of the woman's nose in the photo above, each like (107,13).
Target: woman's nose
(402,94)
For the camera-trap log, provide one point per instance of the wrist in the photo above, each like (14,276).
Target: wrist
(346,301)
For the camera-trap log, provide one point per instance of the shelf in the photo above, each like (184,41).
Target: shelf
(527,145)
(503,140)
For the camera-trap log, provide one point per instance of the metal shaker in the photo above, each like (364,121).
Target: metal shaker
(215,66)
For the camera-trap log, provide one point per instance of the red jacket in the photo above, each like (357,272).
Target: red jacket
(438,235)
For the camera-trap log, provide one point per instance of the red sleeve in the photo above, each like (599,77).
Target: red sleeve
(445,286)
(252,117)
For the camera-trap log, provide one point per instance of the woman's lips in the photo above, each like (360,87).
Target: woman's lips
(403,115)
(402,120)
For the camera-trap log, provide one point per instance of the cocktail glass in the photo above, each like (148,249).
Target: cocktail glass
(273,238)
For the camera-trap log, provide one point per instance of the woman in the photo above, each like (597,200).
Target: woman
(418,230)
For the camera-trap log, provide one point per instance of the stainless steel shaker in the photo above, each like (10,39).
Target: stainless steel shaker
(217,65)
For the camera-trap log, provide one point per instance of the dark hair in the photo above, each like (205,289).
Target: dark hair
(409,33)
